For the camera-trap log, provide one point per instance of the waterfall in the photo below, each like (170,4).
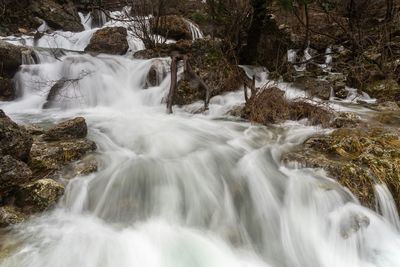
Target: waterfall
(195,31)
(86,20)
(185,189)
(386,205)
(26,57)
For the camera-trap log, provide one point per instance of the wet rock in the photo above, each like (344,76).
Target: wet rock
(10,215)
(315,69)
(70,129)
(362,75)
(340,91)
(274,75)
(109,41)
(14,140)
(314,87)
(237,111)
(172,27)
(59,16)
(387,106)
(45,156)
(152,78)
(51,156)
(384,90)
(55,91)
(33,129)
(10,57)
(338,82)
(76,149)
(27,15)
(346,120)
(85,166)
(156,74)
(358,157)
(39,195)
(12,173)
(10,61)
(7,89)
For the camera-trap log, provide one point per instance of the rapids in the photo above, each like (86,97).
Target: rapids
(185,189)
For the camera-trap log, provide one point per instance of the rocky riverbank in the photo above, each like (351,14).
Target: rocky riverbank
(32,160)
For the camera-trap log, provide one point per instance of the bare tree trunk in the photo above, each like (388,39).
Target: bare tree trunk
(246,97)
(253,85)
(389,10)
(249,53)
(307,17)
(174,81)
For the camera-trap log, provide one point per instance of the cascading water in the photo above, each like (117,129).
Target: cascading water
(196,32)
(183,189)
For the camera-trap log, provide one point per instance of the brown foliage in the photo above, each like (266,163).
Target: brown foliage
(271,106)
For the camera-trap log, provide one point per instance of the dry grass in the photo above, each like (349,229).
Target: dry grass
(270,105)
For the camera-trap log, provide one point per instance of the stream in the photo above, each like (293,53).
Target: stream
(186,189)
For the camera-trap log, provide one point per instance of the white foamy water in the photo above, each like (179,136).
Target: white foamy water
(184,189)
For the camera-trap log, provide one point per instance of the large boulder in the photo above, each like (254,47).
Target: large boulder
(59,16)
(14,140)
(172,27)
(51,156)
(70,129)
(10,61)
(7,89)
(12,173)
(109,41)
(10,57)
(39,195)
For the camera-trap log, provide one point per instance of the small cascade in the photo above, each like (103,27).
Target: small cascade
(328,58)
(195,30)
(293,57)
(86,20)
(182,189)
(385,205)
(44,27)
(27,57)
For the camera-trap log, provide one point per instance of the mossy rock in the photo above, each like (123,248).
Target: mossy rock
(358,158)
(172,26)
(39,196)
(10,215)
(384,90)
(51,156)
(110,40)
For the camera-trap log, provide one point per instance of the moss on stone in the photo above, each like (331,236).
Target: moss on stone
(358,158)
